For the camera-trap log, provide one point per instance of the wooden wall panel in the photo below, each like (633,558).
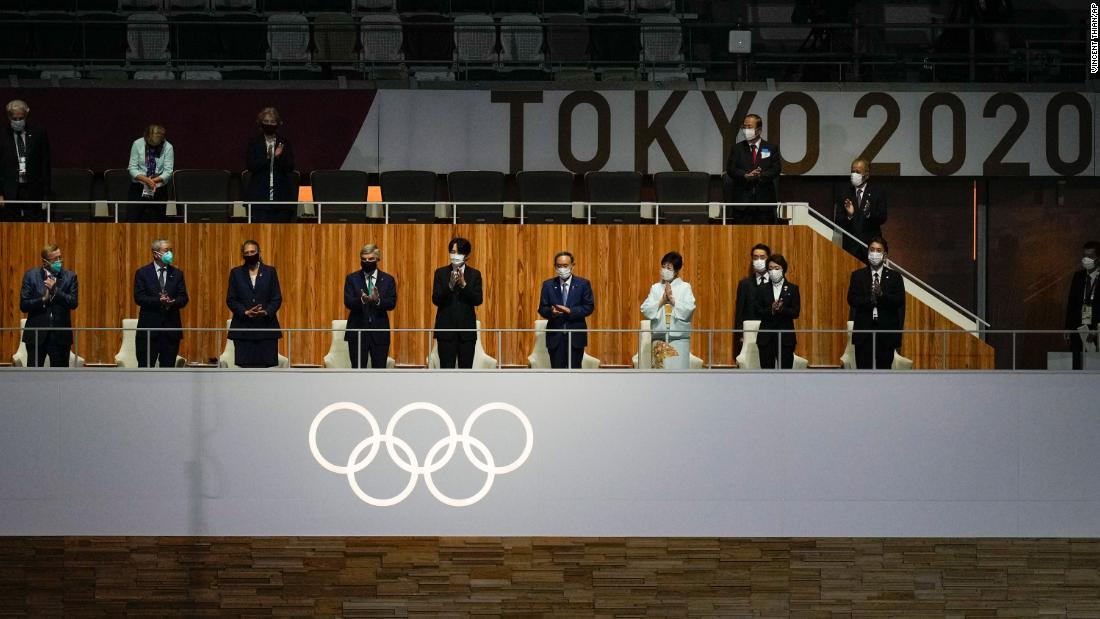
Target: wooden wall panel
(312,261)
(548,577)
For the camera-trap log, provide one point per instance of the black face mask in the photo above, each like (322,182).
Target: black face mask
(369,265)
(269,129)
(252,260)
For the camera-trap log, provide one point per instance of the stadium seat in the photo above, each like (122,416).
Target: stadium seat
(654,5)
(749,359)
(228,357)
(197,74)
(540,357)
(20,358)
(615,52)
(662,39)
(127,352)
(195,38)
(163,73)
(567,42)
(429,45)
(340,186)
(55,37)
(141,5)
(483,188)
(848,359)
(202,186)
(521,44)
(147,37)
(382,40)
(116,183)
(71,184)
(375,5)
(606,6)
(683,187)
(615,187)
(60,72)
(105,37)
(546,186)
(288,37)
(475,40)
(15,36)
(234,5)
(338,355)
(643,359)
(335,38)
(482,361)
(414,186)
(302,210)
(244,38)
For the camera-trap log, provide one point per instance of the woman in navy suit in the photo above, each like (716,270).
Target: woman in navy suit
(778,304)
(270,159)
(254,298)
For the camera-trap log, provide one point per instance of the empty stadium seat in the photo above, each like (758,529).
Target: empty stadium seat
(615,187)
(417,187)
(234,5)
(382,40)
(147,37)
(429,45)
(116,184)
(482,188)
(163,73)
(375,5)
(244,38)
(141,5)
(567,41)
(105,37)
(340,186)
(475,39)
(15,36)
(662,39)
(546,186)
(617,47)
(71,184)
(335,38)
(55,36)
(606,6)
(195,37)
(654,5)
(682,187)
(288,37)
(203,186)
(521,41)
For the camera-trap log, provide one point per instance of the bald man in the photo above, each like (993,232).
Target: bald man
(860,209)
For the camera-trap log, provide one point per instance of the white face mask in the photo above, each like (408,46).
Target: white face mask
(1088,263)
(564,272)
(776,275)
(875,258)
(749,133)
(457,259)
(857,179)
(667,275)
(759,264)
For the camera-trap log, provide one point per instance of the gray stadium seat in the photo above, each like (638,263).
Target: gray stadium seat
(340,186)
(484,187)
(409,186)
(615,187)
(683,187)
(546,186)
(203,186)
(71,184)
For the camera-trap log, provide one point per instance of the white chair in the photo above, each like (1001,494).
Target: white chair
(127,353)
(147,37)
(228,356)
(475,38)
(848,359)
(749,359)
(338,355)
(288,37)
(482,361)
(521,40)
(540,357)
(643,359)
(19,359)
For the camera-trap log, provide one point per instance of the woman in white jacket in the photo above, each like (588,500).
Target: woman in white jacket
(669,308)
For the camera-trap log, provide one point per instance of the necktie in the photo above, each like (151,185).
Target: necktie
(874,310)
(370,284)
(564,292)
(160,276)
(753,147)
(762,280)
(875,284)
(21,144)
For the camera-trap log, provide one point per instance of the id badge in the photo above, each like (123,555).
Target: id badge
(1086,314)
(23,169)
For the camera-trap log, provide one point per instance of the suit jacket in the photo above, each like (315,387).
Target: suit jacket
(38,162)
(1077,299)
(152,312)
(580,303)
(740,163)
(784,320)
(259,164)
(456,307)
(369,315)
(242,295)
(745,308)
(866,222)
(891,306)
(51,313)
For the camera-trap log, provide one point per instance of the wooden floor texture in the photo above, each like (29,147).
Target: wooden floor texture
(538,577)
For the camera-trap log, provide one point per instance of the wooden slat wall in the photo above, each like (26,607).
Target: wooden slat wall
(537,577)
(312,260)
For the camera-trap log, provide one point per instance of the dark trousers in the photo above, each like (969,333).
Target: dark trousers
(155,349)
(23,212)
(456,350)
(771,352)
(273,213)
(58,353)
(140,209)
(876,353)
(360,353)
(1078,350)
(561,356)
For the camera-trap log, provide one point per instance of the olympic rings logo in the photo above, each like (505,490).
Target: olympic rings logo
(437,457)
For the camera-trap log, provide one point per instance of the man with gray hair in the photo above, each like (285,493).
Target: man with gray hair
(160,293)
(370,295)
(24,165)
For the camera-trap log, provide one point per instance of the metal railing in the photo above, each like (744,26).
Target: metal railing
(935,338)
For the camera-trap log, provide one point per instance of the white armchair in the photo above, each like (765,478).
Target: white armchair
(482,361)
(228,356)
(338,355)
(643,359)
(848,359)
(127,353)
(540,357)
(749,359)
(19,359)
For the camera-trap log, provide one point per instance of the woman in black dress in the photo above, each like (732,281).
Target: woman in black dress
(270,159)
(254,298)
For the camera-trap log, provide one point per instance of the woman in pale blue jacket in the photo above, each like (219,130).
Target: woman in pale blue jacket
(152,161)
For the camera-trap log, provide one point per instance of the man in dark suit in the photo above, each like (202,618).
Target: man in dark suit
(160,292)
(753,168)
(370,295)
(47,296)
(778,304)
(1081,306)
(876,295)
(456,291)
(24,165)
(745,308)
(565,301)
(860,210)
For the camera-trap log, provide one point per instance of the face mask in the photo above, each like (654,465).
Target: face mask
(252,260)
(167,257)
(758,265)
(667,275)
(1088,263)
(457,259)
(369,265)
(776,275)
(269,129)
(54,266)
(857,179)
(564,272)
(750,134)
(875,258)
(18,125)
